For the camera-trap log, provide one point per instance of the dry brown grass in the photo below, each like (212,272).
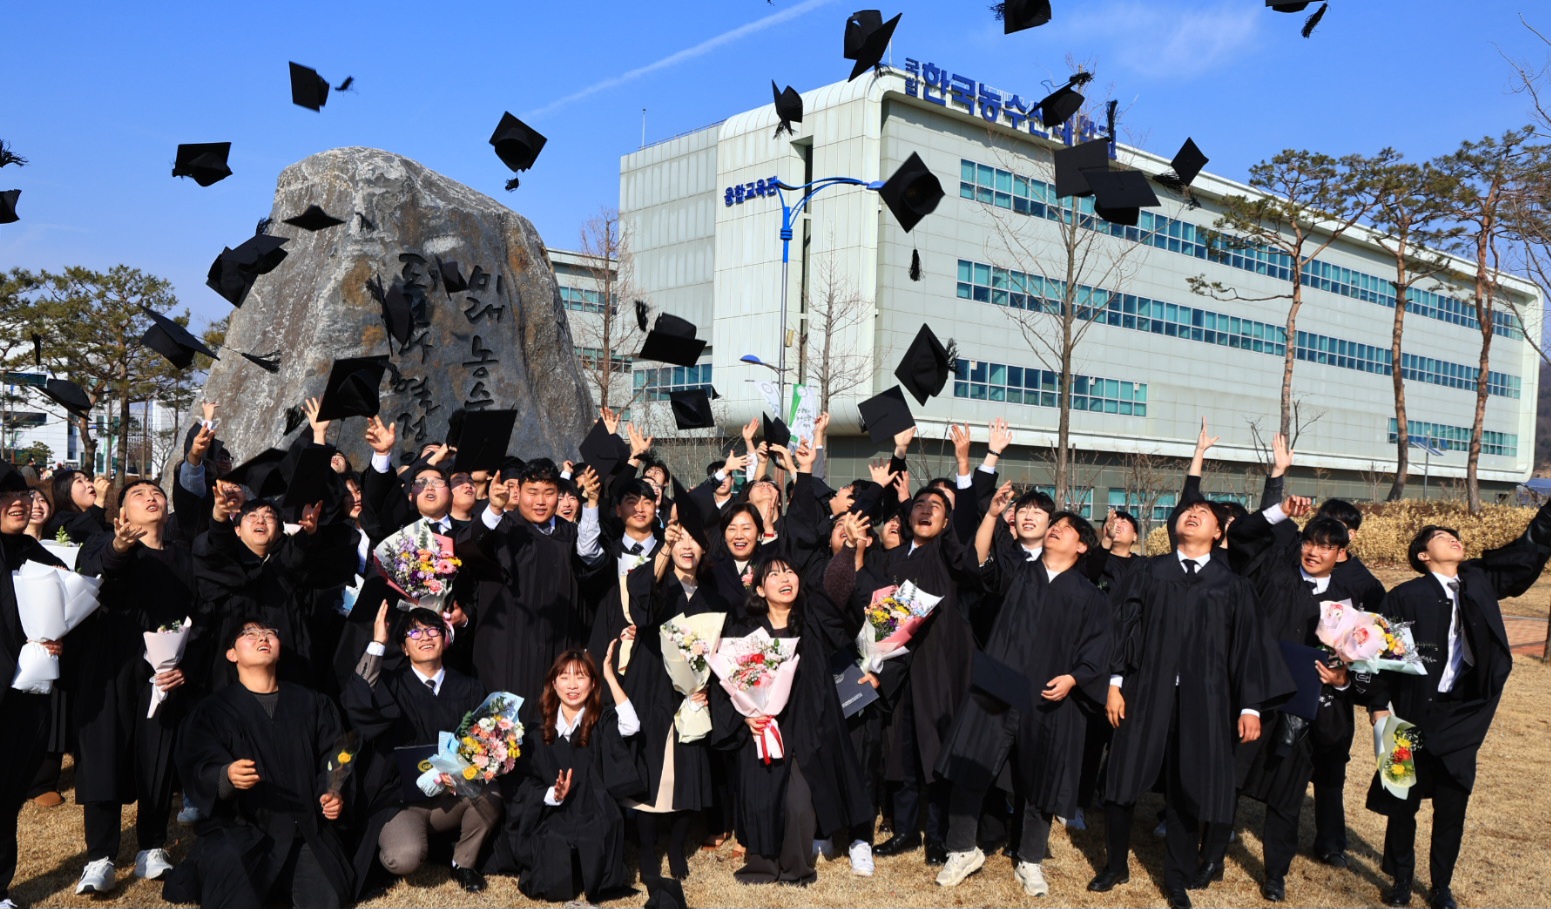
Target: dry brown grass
(1505,836)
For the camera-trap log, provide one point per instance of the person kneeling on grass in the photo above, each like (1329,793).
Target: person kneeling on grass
(253,756)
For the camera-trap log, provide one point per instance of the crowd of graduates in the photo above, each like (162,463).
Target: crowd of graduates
(1061,675)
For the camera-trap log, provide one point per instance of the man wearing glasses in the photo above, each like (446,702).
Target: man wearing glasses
(423,492)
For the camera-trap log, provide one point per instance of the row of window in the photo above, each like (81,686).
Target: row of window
(592,358)
(999,382)
(1457,438)
(1034,197)
(658,382)
(582,300)
(1007,287)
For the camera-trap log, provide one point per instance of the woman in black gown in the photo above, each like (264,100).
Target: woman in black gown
(77,506)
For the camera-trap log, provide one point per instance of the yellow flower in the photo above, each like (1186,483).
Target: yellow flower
(345,757)
(1398,771)
(470,772)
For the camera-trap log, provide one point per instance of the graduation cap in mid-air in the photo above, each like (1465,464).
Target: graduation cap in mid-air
(923,371)
(776,432)
(205,162)
(1018,15)
(233,272)
(868,36)
(1288,6)
(788,107)
(604,451)
(173,341)
(452,277)
(308,89)
(696,512)
(912,192)
(352,388)
(68,395)
(672,340)
(311,476)
(692,408)
(313,219)
(1073,163)
(483,439)
(517,145)
(261,474)
(8,155)
(8,206)
(886,415)
(398,310)
(1120,195)
(1186,166)
(1059,106)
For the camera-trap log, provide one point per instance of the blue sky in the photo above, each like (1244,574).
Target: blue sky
(98,96)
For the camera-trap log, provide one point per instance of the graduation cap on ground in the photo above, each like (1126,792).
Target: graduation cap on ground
(308,89)
(314,219)
(1120,195)
(1074,161)
(664,892)
(672,340)
(871,40)
(233,272)
(886,415)
(1018,15)
(311,476)
(516,143)
(8,206)
(788,106)
(692,408)
(483,439)
(776,431)
(604,451)
(173,341)
(924,369)
(351,390)
(912,192)
(261,474)
(204,161)
(68,395)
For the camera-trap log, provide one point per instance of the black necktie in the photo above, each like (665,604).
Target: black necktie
(1457,627)
(431,684)
(633,549)
(1313,587)
(1190,567)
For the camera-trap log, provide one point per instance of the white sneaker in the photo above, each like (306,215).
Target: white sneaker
(960,865)
(861,859)
(9,903)
(1032,877)
(97,877)
(151,864)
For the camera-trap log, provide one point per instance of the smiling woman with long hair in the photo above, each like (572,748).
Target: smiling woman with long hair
(77,506)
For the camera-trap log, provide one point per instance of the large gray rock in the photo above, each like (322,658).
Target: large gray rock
(504,342)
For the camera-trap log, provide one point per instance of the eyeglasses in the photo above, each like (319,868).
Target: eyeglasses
(462,479)
(433,483)
(260,634)
(420,631)
(1323,548)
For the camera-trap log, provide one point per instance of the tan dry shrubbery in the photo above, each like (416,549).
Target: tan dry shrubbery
(1388,528)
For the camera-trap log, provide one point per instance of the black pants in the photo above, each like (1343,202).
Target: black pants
(1280,836)
(1183,849)
(1449,803)
(919,782)
(1096,741)
(1330,796)
(24,717)
(652,829)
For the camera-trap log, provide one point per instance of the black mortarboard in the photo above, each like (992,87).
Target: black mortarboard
(68,395)
(452,277)
(872,42)
(310,477)
(483,439)
(603,451)
(788,107)
(11,479)
(663,892)
(233,272)
(516,143)
(1001,682)
(1288,6)
(8,205)
(308,89)
(1188,162)
(1058,106)
(204,161)
(352,388)
(173,341)
(672,340)
(261,474)
(776,431)
(1073,161)
(886,415)
(924,369)
(1120,195)
(912,192)
(314,218)
(1018,15)
(858,26)
(455,426)
(692,409)
(398,314)
(697,513)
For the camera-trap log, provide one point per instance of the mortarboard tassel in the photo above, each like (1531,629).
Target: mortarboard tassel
(1312,21)
(9,156)
(641,311)
(915,265)
(37,351)
(262,228)
(366,223)
(345,85)
(1110,109)
(269,362)
(953,355)
(999,11)
(512,184)
(294,417)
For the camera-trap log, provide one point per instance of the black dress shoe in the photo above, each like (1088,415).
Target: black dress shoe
(898,844)
(1107,880)
(1205,875)
(1441,899)
(1333,859)
(470,880)
(1177,897)
(1399,893)
(1274,890)
(936,853)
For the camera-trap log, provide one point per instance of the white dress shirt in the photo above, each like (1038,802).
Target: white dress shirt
(1459,645)
(629,724)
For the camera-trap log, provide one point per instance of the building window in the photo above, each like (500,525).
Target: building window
(592,358)
(1457,438)
(659,382)
(1036,387)
(1136,503)
(1080,501)
(581,299)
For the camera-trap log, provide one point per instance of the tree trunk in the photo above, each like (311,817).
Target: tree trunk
(1397,489)
(123,440)
(824,369)
(1290,355)
(1484,317)
(88,443)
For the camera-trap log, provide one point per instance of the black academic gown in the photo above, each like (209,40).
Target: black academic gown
(813,731)
(1045,628)
(79,526)
(609,598)
(24,716)
(120,752)
(398,711)
(243,841)
(1204,630)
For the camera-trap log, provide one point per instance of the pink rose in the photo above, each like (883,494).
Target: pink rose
(433,585)
(1364,642)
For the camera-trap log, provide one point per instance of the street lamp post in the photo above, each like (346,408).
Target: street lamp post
(788,213)
(1428,445)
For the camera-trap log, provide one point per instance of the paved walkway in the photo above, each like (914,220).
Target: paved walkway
(1526,634)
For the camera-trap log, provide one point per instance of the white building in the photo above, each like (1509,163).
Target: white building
(703,226)
(33,419)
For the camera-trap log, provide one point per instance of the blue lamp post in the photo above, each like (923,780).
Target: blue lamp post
(788,214)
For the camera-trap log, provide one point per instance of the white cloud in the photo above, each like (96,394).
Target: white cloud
(1181,42)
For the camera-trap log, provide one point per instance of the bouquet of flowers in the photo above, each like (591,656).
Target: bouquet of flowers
(164,651)
(1367,641)
(486,745)
(62,549)
(50,602)
(892,619)
(1395,743)
(687,642)
(757,672)
(418,564)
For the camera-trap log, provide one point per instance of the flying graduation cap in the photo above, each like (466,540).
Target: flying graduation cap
(1017,15)
(1118,195)
(483,438)
(68,395)
(672,340)
(1298,6)
(692,408)
(8,206)
(352,388)
(867,39)
(923,371)
(1186,166)
(261,474)
(308,89)
(233,272)
(788,106)
(603,451)
(205,162)
(912,192)
(1073,162)
(1059,106)
(179,345)
(776,432)
(517,145)
(313,219)
(885,415)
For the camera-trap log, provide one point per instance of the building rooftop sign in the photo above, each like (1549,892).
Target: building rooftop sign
(945,88)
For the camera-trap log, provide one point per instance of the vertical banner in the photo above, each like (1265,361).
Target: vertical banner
(804,411)
(771,393)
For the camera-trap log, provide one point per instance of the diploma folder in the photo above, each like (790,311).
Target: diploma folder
(412,761)
(854,693)
(1300,659)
